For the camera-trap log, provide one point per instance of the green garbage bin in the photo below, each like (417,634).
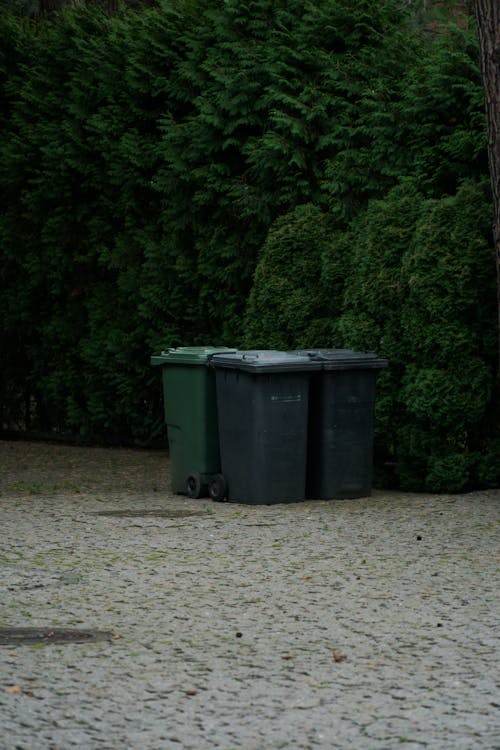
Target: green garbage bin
(190,406)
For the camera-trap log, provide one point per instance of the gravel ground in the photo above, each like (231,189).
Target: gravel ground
(369,624)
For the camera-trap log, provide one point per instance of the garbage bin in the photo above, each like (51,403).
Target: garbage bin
(190,406)
(341,422)
(262,401)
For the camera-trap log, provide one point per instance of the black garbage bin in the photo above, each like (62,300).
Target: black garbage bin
(262,404)
(341,421)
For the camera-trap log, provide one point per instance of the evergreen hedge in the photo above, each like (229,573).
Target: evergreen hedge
(260,173)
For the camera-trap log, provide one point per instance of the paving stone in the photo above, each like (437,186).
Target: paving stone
(317,625)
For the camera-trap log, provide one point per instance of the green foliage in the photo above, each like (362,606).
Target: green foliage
(23,8)
(441,111)
(268,174)
(288,306)
(424,297)
(447,391)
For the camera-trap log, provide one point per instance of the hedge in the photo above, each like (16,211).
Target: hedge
(250,174)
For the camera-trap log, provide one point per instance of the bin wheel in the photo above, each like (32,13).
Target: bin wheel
(194,485)
(218,488)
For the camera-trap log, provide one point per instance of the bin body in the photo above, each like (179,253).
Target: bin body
(262,400)
(189,399)
(341,424)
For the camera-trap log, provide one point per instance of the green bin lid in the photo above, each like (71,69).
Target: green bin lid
(188,355)
(344,359)
(265,360)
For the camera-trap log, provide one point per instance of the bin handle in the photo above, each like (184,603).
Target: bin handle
(316,356)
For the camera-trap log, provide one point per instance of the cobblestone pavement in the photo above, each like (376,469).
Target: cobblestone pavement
(364,624)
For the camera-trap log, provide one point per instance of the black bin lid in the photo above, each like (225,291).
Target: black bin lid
(344,359)
(266,360)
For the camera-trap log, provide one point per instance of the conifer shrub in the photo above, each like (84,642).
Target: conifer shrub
(422,294)
(289,305)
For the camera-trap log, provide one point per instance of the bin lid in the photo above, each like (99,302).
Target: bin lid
(344,359)
(265,360)
(188,355)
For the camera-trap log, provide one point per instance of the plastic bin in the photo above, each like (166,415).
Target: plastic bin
(262,400)
(341,422)
(189,400)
